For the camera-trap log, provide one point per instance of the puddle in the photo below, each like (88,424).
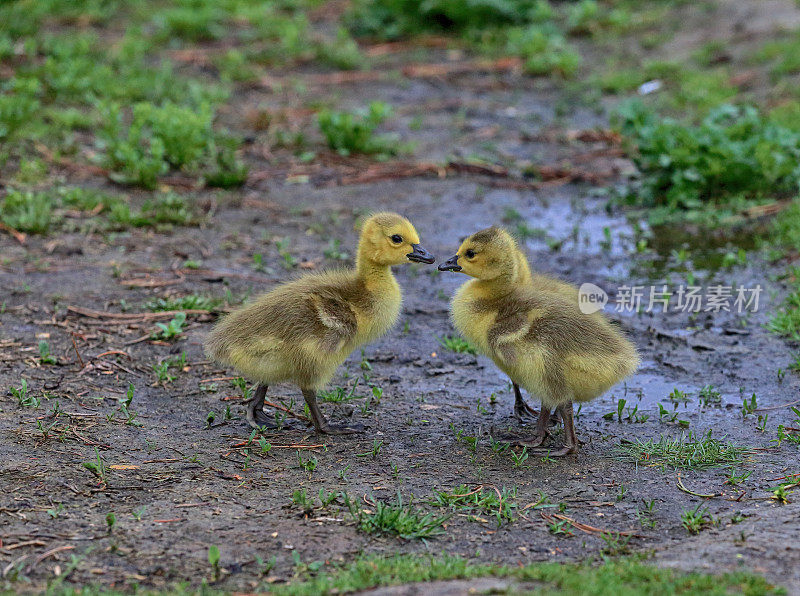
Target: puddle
(646,391)
(642,394)
(681,249)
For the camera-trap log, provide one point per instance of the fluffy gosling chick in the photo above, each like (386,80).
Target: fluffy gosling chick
(539,338)
(302,331)
(541,283)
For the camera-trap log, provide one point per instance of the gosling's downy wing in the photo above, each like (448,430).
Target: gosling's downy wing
(552,320)
(337,318)
(510,326)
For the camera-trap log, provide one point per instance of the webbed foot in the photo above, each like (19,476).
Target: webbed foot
(256,415)
(340,429)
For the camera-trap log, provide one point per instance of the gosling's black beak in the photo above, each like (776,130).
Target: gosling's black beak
(420,255)
(450,264)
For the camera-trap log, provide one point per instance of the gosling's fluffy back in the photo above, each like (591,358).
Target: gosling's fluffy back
(592,353)
(300,332)
(561,353)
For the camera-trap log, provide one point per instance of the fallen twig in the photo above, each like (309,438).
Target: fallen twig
(585,527)
(77,353)
(500,176)
(791,403)
(25,543)
(292,446)
(682,487)
(18,236)
(448,68)
(50,553)
(125,318)
(149,282)
(422,70)
(287,410)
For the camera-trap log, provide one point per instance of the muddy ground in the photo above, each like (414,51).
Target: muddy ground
(177,485)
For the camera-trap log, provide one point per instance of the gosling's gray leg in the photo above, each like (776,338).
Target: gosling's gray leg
(522,411)
(570,439)
(319,421)
(541,432)
(256,415)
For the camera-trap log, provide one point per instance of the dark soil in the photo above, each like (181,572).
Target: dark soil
(192,487)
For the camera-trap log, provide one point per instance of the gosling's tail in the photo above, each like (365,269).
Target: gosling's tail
(217,346)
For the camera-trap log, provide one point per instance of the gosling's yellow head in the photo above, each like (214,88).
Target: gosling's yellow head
(390,239)
(486,255)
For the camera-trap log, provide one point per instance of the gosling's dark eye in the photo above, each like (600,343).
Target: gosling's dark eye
(397,238)
(470,253)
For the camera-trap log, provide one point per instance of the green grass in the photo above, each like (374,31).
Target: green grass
(27,211)
(688,452)
(39,212)
(457,344)
(189,302)
(627,576)
(785,322)
(735,156)
(396,519)
(354,132)
(622,577)
(500,505)
(159,138)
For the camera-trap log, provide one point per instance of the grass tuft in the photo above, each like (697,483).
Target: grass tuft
(354,132)
(499,504)
(27,211)
(734,156)
(397,519)
(626,576)
(457,344)
(687,452)
(189,302)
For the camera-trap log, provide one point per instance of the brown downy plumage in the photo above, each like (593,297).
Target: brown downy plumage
(303,330)
(533,329)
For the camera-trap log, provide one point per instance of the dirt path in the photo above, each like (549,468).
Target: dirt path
(176,486)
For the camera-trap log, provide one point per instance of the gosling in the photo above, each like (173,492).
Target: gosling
(303,330)
(535,332)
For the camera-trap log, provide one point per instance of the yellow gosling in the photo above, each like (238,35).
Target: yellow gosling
(303,330)
(532,328)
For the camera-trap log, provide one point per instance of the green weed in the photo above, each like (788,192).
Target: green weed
(544,50)
(396,519)
(97,466)
(171,330)
(734,156)
(785,322)
(162,137)
(339,394)
(15,111)
(44,353)
(354,132)
(620,576)
(189,302)
(710,396)
(457,344)
(695,520)
(27,211)
(686,452)
(501,504)
(213,560)
(24,398)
